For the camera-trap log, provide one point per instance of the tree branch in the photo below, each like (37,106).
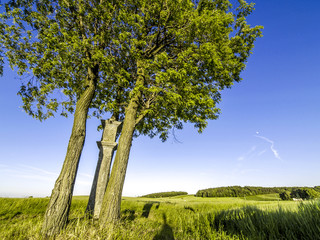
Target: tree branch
(146,107)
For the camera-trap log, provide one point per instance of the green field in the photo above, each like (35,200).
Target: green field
(181,217)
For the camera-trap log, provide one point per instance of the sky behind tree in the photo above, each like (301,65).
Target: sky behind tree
(268,132)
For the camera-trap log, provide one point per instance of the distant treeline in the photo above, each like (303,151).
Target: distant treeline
(237,191)
(304,193)
(164,194)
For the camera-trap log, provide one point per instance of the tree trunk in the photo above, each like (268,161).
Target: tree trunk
(110,210)
(107,146)
(57,212)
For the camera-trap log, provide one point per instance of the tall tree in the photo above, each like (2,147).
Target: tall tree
(153,64)
(62,48)
(182,54)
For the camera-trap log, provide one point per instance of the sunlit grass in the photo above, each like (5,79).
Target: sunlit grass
(180,217)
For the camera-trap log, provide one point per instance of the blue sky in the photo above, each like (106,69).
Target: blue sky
(267,135)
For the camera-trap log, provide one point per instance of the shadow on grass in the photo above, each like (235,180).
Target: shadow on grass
(166,232)
(189,208)
(128,214)
(147,207)
(254,223)
(8,216)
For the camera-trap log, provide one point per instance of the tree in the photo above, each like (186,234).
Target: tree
(285,195)
(182,55)
(304,193)
(62,48)
(152,64)
(312,194)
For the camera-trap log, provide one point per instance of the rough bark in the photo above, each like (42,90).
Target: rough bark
(110,211)
(107,146)
(57,212)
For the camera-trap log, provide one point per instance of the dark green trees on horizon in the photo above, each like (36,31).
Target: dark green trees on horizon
(164,194)
(285,193)
(154,65)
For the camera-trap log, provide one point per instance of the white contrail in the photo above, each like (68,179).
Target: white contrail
(275,152)
(248,155)
(262,152)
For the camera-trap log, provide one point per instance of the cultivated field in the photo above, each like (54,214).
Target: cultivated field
(181,217)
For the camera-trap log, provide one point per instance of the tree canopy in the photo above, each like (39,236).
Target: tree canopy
(190,51)
(54,43)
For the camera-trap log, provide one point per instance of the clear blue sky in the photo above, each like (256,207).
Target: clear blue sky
(267,135)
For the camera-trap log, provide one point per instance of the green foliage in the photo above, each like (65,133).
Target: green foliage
(237,191)
(54,44)
(164,194)
(305,193)
(317,188)
(189,52)
(2,33)
(312,194)
(285,195)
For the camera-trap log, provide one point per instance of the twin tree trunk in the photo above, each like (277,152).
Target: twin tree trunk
(110,210)
(107,146)
(57,212)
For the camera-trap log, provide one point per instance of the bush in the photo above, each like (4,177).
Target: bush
(285,195)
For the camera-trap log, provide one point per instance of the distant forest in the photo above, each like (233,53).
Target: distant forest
(164,194)
(237,191)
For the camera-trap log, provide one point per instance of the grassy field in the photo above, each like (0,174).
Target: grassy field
(181,217)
